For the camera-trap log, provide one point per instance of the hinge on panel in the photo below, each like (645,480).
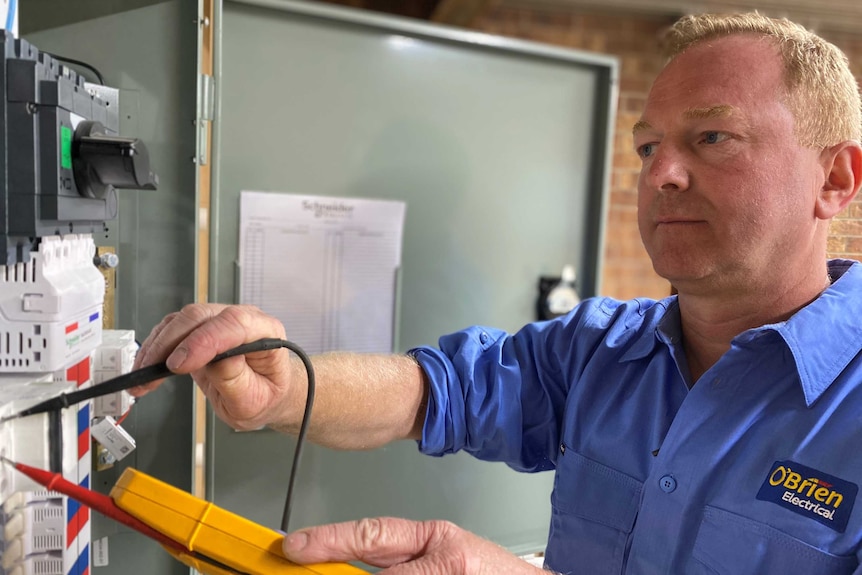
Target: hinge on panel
(207,110)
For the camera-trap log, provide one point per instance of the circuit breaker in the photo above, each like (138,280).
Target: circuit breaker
(61,162)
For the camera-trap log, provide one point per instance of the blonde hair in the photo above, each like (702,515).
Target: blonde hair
(822,93)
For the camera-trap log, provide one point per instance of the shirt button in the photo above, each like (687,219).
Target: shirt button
(667,483)
(483,337)
(563,448)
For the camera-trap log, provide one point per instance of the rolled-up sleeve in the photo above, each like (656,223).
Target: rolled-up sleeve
(501,396)
(498,396)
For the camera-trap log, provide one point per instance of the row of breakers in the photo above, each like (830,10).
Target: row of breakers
(52,341)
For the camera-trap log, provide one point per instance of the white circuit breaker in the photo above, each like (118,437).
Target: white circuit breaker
(51,326)
(51,306)
(114,357)
(30,516)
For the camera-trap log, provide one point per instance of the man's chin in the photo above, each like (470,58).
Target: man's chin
(679,273)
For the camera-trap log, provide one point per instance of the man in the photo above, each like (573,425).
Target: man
(711,432)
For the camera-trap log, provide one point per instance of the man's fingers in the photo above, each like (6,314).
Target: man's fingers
(230,327)
(405,547)
(429,565)
(172,330)
(187,340)
(142,357)
(165,336)
(161,344)
(380,542)
(144,351)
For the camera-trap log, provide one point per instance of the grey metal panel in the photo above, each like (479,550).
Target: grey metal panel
(500,150)
(149,54)
(38,15)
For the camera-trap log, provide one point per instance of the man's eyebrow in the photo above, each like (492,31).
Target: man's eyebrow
(640,126)
(721,111)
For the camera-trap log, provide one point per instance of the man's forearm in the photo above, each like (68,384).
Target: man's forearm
(362,401)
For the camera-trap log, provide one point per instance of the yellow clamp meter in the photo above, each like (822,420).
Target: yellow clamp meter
(220,542)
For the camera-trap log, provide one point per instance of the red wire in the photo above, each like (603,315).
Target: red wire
(101,503)
(124,416)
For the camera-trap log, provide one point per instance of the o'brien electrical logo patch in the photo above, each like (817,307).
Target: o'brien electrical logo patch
(811,493)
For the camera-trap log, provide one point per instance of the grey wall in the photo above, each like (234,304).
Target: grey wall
(499,152)
(150,54)
(36,15)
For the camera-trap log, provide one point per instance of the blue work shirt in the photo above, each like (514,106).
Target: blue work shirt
(753,470)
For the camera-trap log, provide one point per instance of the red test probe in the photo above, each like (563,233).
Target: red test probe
(96,501)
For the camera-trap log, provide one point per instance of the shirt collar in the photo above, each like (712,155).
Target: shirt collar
(826,335)
(823,337)
(663,326)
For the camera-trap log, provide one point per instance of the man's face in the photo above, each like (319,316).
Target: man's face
(726,194)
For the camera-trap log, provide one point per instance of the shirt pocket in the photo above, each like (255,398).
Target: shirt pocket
(594,511)
(730,544)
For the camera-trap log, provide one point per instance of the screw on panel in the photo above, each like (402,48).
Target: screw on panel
(107,260)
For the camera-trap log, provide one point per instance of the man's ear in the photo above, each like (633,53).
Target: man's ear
(842,164)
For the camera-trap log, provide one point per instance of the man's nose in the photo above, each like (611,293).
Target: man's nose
(668,170)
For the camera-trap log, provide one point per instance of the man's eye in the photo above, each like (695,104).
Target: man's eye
(714,137)
(646,150)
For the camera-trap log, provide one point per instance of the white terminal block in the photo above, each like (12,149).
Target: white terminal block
(21,499)
(116,354)
(114,357)
(36,528)
(113,404)
(34,532)
(51,307)
(44,564)
(112,437)
(25,440)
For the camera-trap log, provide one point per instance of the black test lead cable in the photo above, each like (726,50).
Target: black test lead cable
(139,377)
(160,371)
(303,429)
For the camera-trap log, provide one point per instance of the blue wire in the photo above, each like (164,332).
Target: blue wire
(10,16)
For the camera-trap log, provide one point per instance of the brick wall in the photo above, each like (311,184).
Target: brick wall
(633,39)
(845,240)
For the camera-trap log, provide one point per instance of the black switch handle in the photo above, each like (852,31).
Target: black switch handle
(101,161)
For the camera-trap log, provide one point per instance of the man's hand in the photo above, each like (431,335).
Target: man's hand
(362,401)
(247,391)
(405,548)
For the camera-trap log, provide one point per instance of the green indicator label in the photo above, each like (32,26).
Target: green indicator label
(66,147)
